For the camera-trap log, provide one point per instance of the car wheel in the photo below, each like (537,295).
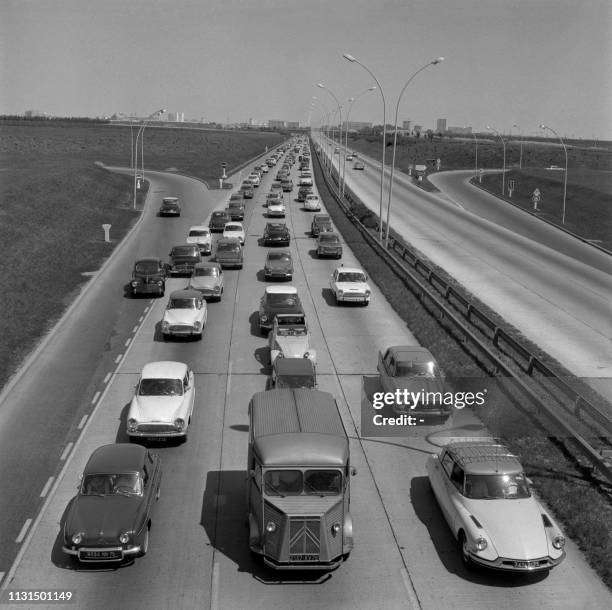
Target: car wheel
(145,542)
(462,547)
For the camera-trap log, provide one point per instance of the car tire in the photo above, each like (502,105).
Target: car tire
(145,541)
(463,554)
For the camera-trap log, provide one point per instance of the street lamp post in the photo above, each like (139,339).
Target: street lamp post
(322,86)
(431,63)
(352,100)
(504,168)
(138,135)
(324,142)
(521,144)
(384,143)
(565,176)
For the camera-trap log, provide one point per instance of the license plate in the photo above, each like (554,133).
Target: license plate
(101,554)
(304,557)
(526,564)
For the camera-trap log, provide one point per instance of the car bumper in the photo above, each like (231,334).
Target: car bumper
(101,554)
(518,565)
(353,298)
(182,331)
(148,289)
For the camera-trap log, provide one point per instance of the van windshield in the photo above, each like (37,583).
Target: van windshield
(295,482)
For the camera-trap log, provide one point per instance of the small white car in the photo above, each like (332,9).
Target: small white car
(254,178)
(290,338)
(207,279)
(234,229)
(185,315)
(200,235)
(350,285)
(305,179)
(312,203)
(276,209)
(163,401)
(487,502)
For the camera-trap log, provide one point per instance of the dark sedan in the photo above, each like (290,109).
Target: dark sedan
(276,234)
(218,220)
(110,517)
(148,277)
(170,206)
(320,224)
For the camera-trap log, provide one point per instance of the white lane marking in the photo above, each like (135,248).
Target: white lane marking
(214,590)
(135,328)
(47,486)
(229,379)
(126,344)
(2,576)
(94,400)
(118,358)
(66,451)
(412,597)
(108,376)
(147,308)
(141,319)
(24,531)
(82,422)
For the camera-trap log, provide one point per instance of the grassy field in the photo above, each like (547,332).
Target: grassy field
(581,503)
(54,199)
(589,178)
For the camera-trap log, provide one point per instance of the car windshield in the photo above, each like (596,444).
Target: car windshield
(295,381)
(183,303)
(351,276)
(418,369)
(127,484)
(496,487)
(322,219)
(217,215)
(233,227)
(291,331)
(206,271)
(282,300)
(147,267)
(227,247)
(328,238)
(279,256)
(160,387)
(199,233)
(296,482)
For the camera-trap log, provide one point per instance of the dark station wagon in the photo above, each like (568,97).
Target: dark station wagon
(218,220)
(170,207)
(110,517)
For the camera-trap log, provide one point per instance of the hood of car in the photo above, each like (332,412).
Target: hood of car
(103,518)
(182,316)
(203,281)
(155,408)
(236,234)
(360,287)
(515,527)
(292,347)
(199,239)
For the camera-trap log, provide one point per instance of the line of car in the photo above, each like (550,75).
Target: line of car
(480,486)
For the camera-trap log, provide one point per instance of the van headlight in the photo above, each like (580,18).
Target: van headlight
(335,528)
(558,541)
(270,527)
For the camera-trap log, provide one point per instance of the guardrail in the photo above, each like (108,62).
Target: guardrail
(445,302)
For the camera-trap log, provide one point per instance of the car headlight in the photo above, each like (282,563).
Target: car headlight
(340,291)
(124,538)
(217,288)
(165,325)
(480,544)
(306,355)
(367,292)
(270,527)
(179,423)
(335,528)
(197,325)
(132,424)
(134,284)
(263,317)
(558,541)
(160,283)
(77,538)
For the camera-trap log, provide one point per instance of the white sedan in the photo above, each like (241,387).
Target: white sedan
(486,500)
(312,203)
(162,405)
(200,235)
(350,285)
(276,209)
(185,315)
(234,229)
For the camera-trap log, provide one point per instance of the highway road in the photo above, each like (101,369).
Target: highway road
(555,289)
(404,554)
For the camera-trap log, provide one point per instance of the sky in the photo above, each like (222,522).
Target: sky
(509,64)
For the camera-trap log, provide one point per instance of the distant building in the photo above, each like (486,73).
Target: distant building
(460,130)
(355,125)
(441,125)
(406,126)
(293,124)
(176,117)
(34,113)
(417,128)
(276,124)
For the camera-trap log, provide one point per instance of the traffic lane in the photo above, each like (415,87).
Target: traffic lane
(456,185)
(48,403)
